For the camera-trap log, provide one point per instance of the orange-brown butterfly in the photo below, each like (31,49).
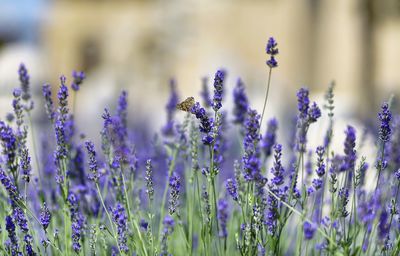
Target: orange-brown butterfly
(186,105)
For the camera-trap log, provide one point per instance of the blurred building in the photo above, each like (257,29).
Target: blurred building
(139,45)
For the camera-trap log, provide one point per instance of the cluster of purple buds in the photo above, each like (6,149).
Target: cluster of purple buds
(78,78)
(241,103)
(272,50)
(169,224)
(206,123)
(269,139)
(277,170)
(343,200)
(25,165)
(10,227)
(231,187)
(309,230)
(175,186)
(385,116)
(149,180)
(120,219)
(223,217)
(9,143)
(45,216)
(11,189)
(349,149)
(49,105)
(251,158)
(320,171)
(307,115)
(218,89)
(93,167)
(24,79)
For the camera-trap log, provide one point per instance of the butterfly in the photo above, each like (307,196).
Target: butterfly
(186,105)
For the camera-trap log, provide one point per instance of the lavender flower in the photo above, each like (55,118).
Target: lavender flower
(25,164)
(251,158)
(241,103)
(218,89)
(168,129)
(175,186)
(46,89)
(349,151)
(383,225)
(122,118)
(272,50)
(223,217)
(149,180)
(78,79)
(77,226)
(320,161)
(206,203)
(309,230)
(11,189)
(10,227)
(28,245)
(307,115)
(269,139)
(303,103)
(18,111)
(20,218)
(24,79)
(206,123)
(343,201)
(231,187)
(397,175)
(314,113)
(120,219)
(60,124)
(385,116)
(168,230)
(277,170)
(9,144)
(94,175)
(45,217)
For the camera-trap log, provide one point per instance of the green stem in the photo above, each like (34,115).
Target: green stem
(108,216)
(134,222)
(300,215)
(164,198)
(266,97)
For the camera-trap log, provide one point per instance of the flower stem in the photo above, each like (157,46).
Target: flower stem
(266,97)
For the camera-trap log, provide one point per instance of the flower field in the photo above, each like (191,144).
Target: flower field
(210,184)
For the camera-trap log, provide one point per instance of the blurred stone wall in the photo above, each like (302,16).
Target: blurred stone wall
(139,45)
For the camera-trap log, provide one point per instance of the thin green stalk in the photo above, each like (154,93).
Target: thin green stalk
(134,223)
(164,198)
(301,215)
(108,216)
(266,97)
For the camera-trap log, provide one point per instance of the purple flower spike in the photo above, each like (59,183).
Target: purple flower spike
(218,89)
(385,116)
(78,79)
(241,103)
(223,217)
(272,50)
(309,230)
(231,187)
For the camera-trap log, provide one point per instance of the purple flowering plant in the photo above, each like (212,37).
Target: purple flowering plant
(200,187)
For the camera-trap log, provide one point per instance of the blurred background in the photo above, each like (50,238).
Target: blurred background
(140,45)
